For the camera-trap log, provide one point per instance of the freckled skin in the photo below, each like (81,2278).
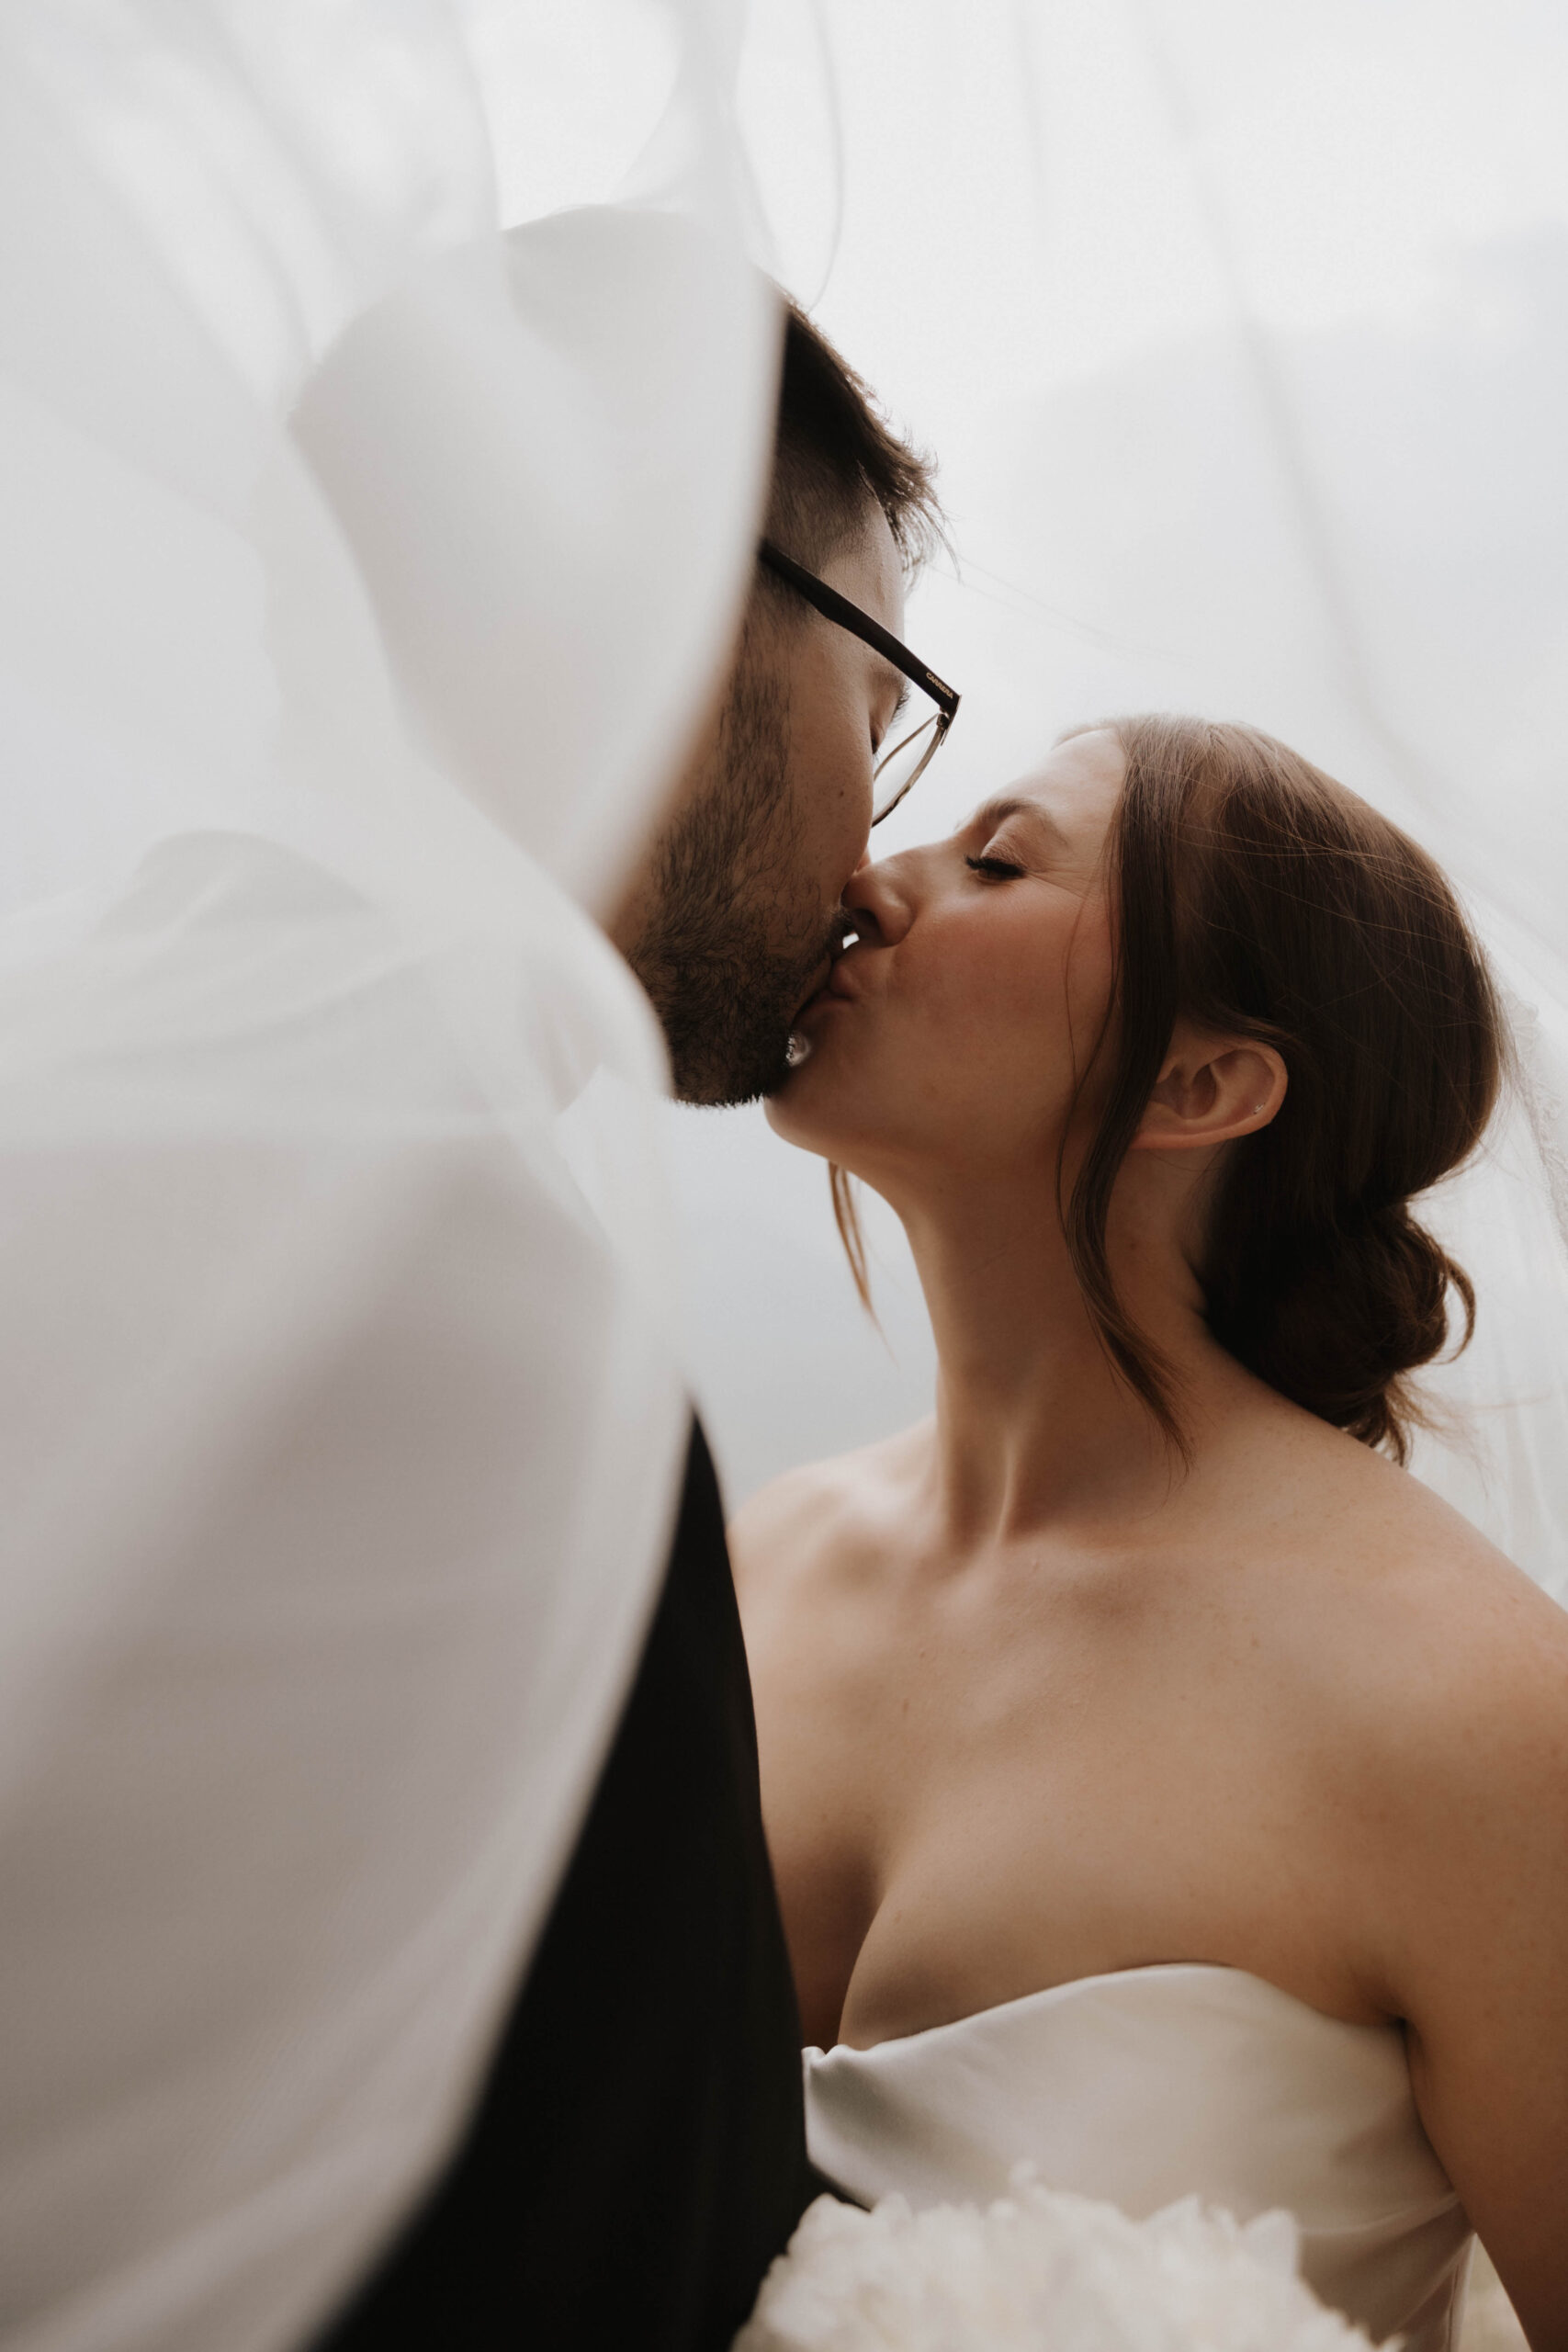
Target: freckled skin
(1033,1703)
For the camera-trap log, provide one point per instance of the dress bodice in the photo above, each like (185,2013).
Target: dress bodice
(1143,2086)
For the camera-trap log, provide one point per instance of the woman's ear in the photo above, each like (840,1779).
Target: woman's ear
(1209,1090)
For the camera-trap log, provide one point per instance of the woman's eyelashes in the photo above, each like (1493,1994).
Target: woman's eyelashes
(994,869)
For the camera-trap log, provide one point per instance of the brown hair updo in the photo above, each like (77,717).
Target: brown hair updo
(1260,899)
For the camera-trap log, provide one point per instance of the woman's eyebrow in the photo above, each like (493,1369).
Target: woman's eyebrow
(995,812)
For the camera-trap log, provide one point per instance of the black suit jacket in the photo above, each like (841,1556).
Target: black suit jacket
(637,2156)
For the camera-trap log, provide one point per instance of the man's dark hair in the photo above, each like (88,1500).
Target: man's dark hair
(832,452)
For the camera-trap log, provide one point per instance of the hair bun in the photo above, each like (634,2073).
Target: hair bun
(1336,1321)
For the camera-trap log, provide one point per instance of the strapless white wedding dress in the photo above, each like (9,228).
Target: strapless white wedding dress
(1144,2086)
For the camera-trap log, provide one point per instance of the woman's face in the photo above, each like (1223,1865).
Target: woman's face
(956,1028)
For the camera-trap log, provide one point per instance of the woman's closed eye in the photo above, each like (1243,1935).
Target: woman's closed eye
(994,869)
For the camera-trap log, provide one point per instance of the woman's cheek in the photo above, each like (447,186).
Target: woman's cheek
(1013,972)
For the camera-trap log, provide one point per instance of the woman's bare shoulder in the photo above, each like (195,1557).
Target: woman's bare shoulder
(1420,1693)
(1414,1658)
(1438,1667)
(1410,1580)
(824,1515)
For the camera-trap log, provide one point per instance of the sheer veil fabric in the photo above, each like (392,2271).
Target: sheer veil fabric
(367,573)
(1242,336)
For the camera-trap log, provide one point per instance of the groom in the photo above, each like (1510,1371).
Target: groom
(637,2155)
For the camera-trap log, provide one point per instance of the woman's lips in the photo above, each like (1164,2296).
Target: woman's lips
(828,993)
(838,988)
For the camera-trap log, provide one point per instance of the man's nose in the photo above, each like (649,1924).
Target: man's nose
(879,903)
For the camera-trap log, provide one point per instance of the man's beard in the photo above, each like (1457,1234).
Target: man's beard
(725,896)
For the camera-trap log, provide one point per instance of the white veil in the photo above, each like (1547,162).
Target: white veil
(340,1441)
(1241,334)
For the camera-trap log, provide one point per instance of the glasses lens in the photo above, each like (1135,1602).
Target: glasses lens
(896,769)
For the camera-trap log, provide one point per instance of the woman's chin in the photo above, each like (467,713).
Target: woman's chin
(783,1109)
(819,1103)
(797,1109)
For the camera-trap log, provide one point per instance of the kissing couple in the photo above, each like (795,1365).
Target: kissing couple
(1158,1783)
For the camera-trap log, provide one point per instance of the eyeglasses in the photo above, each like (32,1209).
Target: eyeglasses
(898,768)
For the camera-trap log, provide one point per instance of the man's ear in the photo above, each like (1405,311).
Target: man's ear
(1210,1090)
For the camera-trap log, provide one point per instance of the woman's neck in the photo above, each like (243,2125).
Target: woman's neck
(1033,1426)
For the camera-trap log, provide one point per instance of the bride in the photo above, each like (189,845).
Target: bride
(1163,1786)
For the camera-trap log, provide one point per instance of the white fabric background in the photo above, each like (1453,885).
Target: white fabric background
(340,1440)
(1240,328)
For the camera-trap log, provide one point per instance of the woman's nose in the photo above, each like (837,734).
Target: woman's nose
(879,903)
